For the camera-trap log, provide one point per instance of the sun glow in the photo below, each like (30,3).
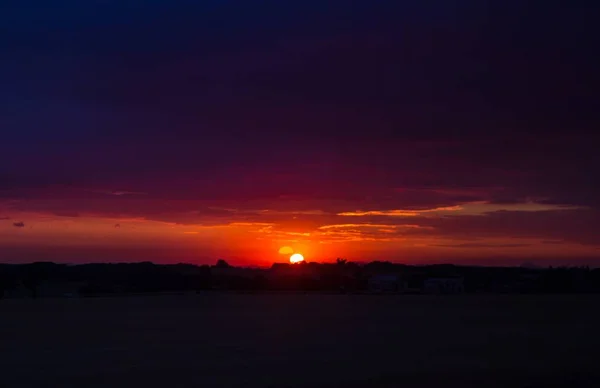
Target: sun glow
(296,258)
(286,251)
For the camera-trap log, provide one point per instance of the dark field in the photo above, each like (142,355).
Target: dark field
(301,341)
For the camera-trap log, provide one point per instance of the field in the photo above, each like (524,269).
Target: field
(220,340)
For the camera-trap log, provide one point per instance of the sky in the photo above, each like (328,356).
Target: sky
(410,131)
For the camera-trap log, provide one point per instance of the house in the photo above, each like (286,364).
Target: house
(447,285)
(18,291)
(386,283)
(238,272)
(59,289)
(45,290)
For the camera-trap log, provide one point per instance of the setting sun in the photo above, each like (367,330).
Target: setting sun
(296,258)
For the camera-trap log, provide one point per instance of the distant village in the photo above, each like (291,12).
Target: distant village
(46,279)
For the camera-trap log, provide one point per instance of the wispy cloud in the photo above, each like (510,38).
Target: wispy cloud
(265,229)
(250,224)
(482,245)
(278,234)
(270,212)
(302,234)
(553,242)
(400,213)
(19,224)
(480,208)
(378,226)
(469,208)
(119,193)
(362,232)
(289,212)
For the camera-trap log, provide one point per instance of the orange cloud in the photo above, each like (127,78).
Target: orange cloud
(469,208)
(399,213)
(384,226)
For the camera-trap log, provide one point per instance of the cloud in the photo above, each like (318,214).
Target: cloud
(300,234)
(481,245)
(4,218)
(117,226)
(363,232)
(119,193)
(285,250)
(70,214)
(250,224)
(399,213)
(19,224)
(579,226)
(378,226)
(547,224)
(470,208)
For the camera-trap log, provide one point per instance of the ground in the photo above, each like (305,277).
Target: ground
(220,340)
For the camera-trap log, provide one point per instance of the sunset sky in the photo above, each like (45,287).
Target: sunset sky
(410,131)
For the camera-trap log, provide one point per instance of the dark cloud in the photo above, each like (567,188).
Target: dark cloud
(67,213)
(569,226)
(574,226)
(482,245)
(119,193)
(19,224)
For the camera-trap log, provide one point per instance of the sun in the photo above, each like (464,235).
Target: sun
(296,258)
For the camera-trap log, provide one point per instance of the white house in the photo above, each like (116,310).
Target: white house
(444,285)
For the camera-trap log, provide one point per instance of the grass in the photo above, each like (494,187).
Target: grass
(300,341)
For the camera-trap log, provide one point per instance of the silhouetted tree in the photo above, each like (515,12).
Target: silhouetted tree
(98,279)
(222,264)
(37,273)
(31,283)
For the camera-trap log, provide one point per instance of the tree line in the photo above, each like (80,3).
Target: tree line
(340,276)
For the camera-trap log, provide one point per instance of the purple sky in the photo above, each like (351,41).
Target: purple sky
(404,130)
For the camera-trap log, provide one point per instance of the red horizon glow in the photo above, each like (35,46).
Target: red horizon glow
(260,237)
